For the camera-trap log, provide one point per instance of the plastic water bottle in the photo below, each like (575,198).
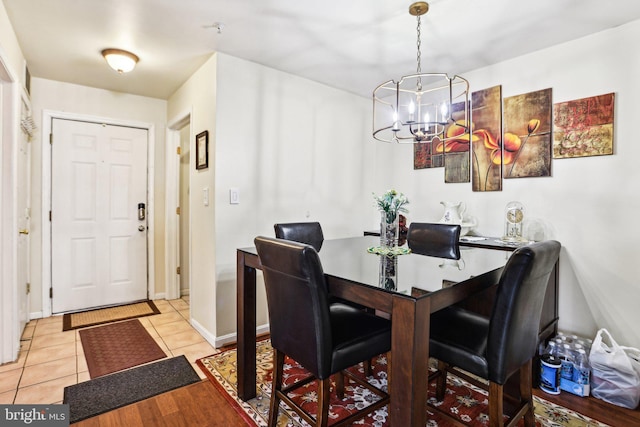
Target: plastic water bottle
(550,365)
(566,360)
(582,370)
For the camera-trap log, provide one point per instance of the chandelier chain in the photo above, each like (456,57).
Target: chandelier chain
(418,43)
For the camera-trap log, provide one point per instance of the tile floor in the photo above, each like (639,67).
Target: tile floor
(51,359)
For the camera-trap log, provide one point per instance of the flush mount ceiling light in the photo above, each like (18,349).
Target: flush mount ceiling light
(120,60)
(421,107)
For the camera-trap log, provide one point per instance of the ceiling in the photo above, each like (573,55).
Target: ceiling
(348,44)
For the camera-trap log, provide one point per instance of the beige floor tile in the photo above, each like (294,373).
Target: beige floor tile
(182,339)
(152,331)
(48,371)
(162,345)
(179,304)
(195,351)
(18,364)
(28,331)
(185,313)
(83,377)
(173,328)
(10,380)
(163,318)
(46,392)
(47,354)
(47,328)
(145,321)
(42,341)
(164,306)
(7,397)
(51,319)
(25,345)
(81,362)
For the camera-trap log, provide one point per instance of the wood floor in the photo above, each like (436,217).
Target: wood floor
(203,405)
(199,404)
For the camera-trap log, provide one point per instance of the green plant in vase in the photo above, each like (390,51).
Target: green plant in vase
(390,205)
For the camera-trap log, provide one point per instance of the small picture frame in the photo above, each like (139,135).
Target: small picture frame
(202,150)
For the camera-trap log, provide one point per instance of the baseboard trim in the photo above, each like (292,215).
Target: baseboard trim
(223,340)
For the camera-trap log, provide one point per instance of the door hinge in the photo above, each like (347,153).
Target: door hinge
(51,292)
(28,288)
(178,270)
(178,151)
(51,139)
(178,210)
(49,216)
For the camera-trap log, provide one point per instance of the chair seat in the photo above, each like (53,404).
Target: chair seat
(460,337)
(357,335)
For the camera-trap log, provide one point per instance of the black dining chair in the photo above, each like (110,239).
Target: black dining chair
(434,239)
(303,232)
(325,338)
(495,348)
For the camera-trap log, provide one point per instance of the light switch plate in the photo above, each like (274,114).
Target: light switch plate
(234,196)
(205,196)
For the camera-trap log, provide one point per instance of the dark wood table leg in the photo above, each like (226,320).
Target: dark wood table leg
(246,317)
(409,361)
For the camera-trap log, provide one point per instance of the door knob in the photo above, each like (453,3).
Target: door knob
(23,231)
(141,228)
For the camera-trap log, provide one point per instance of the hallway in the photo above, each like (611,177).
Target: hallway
(51,359)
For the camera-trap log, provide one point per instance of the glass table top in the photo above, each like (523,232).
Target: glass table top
(348,259)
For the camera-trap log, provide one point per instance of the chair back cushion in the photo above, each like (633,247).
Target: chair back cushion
(515,319)
(439,240)
(303,232)
(297,300)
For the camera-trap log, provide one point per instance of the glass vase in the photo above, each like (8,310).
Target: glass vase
(388,272)
(389,229)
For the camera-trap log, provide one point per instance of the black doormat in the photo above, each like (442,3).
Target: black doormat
(113,391)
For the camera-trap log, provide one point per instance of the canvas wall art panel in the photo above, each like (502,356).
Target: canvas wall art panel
(486,151)
(425,157)
(527,139)
(457,147)
(583,127)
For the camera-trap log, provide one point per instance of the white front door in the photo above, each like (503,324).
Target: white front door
(98,241)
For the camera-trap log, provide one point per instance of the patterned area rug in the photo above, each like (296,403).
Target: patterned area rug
(117,346)
(105,315)
(463,400)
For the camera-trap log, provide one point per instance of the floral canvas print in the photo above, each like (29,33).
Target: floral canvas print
(583,127)
(486,143)
(456,150)
(527,135)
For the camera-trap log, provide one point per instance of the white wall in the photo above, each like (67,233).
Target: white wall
(65,97)
(589,204)
(297,151)
(198,98)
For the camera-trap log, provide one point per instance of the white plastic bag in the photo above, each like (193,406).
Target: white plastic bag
(615,376)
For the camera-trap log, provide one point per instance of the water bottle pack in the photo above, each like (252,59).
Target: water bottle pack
(565,365)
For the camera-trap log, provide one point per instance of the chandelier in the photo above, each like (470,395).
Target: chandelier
(421,107)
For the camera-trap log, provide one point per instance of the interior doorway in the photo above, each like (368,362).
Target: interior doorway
(184,186)
(178,217)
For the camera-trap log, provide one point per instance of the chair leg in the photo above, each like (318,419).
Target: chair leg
(441,381)
(276,386)
(526,385)
(340,385)
(322,417)
(367,365)
(496,409)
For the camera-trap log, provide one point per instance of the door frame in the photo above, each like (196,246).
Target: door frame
(172,200)
(9,115)
(47,119)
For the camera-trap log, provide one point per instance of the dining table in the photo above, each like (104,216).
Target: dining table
(407,286)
